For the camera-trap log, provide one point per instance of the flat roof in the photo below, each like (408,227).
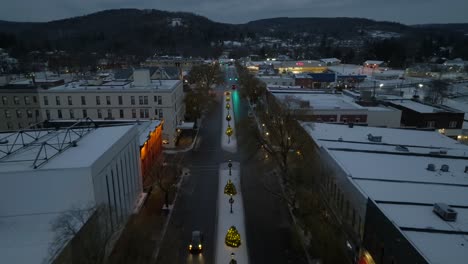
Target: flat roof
(144,128)
(394,174)
(418,107)
(114,85)
(89,147)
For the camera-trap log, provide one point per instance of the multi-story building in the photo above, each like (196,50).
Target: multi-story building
(51,174)
(19,106)
(140,99)
(392,191)
(333,107)
(416,114)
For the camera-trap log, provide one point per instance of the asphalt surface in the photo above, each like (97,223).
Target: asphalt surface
(267,220)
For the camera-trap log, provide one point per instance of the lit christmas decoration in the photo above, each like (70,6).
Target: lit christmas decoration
(228,117)
(233,238)
(228,98)
(229,132)
(228,106)
(230,188)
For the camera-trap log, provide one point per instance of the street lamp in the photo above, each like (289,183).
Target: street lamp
(230,166)
(231,201)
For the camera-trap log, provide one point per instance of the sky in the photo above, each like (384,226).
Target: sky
(241,11)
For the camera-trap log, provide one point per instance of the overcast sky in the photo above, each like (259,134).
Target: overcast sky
(241,11)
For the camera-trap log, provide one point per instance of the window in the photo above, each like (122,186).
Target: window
(5,100)
(83,100)
(146,113)
(453,124)
(16,100)
(98,100)
(34,99)
(160,113)
(7,114)
(59,113)
(133,113)
(37,113)
(72,114)
(46,100)
(357,120)
(140,100)
(70,100)
(145,99)
(132,100)
(345,120)
(19,114)
(159,100)
(29,113)
(9,126)
(20,126)
(155,112)
(27,101)
(332,119)
(57,100)
(108,100)
(99,113)
(120,100)
(430,124)
(142,114)
(47,114)
(85,113)
(109,113)
(121,111)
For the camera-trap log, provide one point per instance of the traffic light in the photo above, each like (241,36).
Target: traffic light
(230,79)
(236,79)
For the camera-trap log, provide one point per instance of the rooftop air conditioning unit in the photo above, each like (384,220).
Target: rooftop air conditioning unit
(374,138)
(444,168)
(445,212)
(431,167)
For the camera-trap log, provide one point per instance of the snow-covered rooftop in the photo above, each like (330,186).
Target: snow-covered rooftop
(145,128)
(119,86)
(418,107)
(394,174)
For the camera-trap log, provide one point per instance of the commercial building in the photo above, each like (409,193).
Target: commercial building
(19,106)
(387,188)
(333,107)
(150,141)
(140,99)
(174,61)
(331,61)
(373,63)
(420,115)
(315,80)
(296,67)
(283,80)
(48,173)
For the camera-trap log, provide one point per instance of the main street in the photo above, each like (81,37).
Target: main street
(267,219)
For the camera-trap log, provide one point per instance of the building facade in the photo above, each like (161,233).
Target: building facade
(19,107)
(141,99)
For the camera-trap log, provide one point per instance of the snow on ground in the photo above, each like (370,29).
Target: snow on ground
(230,146)
(226,219)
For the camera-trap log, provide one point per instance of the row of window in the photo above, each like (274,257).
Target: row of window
(17,100)
(142,100)
(72,113)
(339,200)
(20,113)
(432,124)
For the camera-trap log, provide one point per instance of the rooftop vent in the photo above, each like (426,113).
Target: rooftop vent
(431,167)
(401,148)
(374,138)
(439,152)
(445,212)
(350,125)
(444,168)
(466,169)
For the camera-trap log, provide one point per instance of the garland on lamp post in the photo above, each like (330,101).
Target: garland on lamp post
(229,133)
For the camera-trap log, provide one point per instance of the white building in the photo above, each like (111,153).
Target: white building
(283,80)
(142,99)
(404,173)
(50,172)
(326,106)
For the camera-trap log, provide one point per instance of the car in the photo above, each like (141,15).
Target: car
(196,242)
(234,87)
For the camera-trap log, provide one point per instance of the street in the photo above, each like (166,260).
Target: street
(268,224)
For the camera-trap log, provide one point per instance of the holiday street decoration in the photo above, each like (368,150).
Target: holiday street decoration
(228,117)
(228,106)
(229,133)
(230,188)
(233,238)
(228,98)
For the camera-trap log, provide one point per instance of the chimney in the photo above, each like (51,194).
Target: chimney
(141,77)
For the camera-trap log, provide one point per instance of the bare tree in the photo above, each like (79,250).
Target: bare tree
(281,139)
(160,174)
(84,232)
(437,92)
